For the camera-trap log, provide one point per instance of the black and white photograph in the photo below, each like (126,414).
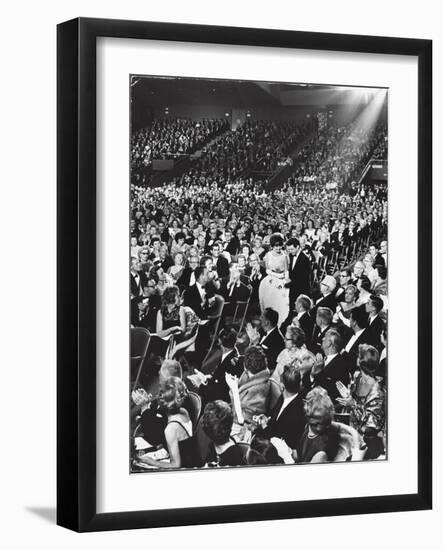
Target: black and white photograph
(258,273)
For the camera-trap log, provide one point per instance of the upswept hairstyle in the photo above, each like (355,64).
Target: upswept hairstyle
(217,421)
(172,394)
(255,360)
(318,402)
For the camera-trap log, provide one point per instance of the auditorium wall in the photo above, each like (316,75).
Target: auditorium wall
(264,112)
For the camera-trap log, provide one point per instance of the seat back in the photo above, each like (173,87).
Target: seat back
(219,303)
(203,441)
(140,338)
(139,341)
(275,392)
(244,448)
(196,407)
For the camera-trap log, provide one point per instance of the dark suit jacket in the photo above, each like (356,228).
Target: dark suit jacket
(254,281)
(337,369)
(291,423)
(148,319)
(272,345)
(338,240)
(364,338)
(317,338)
(185,277)
(233,246)
(192,298)
(374,331)
(379,260)
(137,288)
(307,325)
(300,276)
(217,388)
(222,267)
(326,301)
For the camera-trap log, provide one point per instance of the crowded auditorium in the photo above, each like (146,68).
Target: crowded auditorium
(258,274)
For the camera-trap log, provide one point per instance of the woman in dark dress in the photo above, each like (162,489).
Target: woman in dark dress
(217,423)
(176,320)
(180,444)
(320,440)
(262,451)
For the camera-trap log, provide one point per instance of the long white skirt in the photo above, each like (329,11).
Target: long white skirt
(272,293)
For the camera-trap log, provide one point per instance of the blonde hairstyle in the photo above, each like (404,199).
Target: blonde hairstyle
(172,394)
(318,402)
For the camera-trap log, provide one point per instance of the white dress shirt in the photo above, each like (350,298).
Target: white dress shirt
(353,339)
(329,358)
(201,291)
(286,402)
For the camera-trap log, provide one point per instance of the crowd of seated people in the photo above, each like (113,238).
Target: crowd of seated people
(381,149)
(259,143)
(336,154)
(286,369)
(171,137)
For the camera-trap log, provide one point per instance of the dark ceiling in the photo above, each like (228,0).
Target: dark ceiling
(171,90)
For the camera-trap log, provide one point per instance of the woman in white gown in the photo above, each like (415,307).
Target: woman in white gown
(272,290)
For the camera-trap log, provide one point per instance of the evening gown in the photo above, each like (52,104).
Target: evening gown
(272,291)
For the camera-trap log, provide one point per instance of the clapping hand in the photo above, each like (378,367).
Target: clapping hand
(318,365)
(199,379)
(253,334)
(346,399)
(261,420)
(141,398)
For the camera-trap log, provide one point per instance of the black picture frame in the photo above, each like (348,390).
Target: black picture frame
(76,278)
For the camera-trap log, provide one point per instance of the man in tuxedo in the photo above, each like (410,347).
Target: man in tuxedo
(163,232)
(303,306)
(334,367)
(138,277)
(212,236)
(323,322)
(359,323)
(377,257)
(144,308)
(187,278)
(232,244)
(357,273)
(327,298)
(302,318)
(234,290)
(288,419)
(216,388)
(344,281)
(270,339)
(299,271)
(375,322)
(255,273)
(340,237)
(220,263)
(272,342)
(196,295)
